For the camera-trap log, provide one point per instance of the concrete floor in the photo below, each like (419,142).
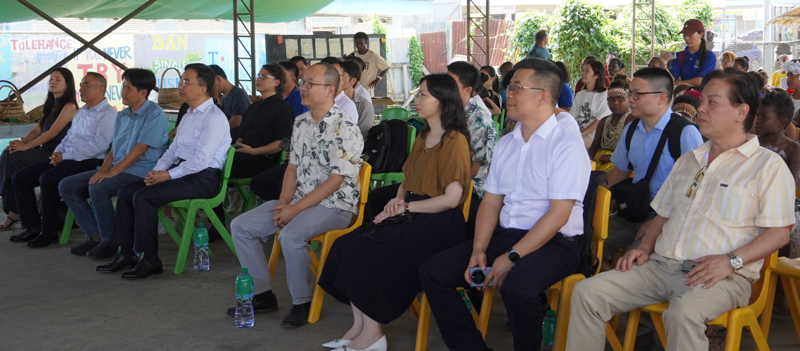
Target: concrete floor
(51,300)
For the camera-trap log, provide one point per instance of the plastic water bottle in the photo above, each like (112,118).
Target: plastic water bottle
(466,299)
(548,330)
(243,317)
(200,238)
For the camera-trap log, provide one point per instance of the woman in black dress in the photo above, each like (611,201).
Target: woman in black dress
(59,108)
(375,268)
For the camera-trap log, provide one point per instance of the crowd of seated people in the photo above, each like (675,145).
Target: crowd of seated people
(708,151)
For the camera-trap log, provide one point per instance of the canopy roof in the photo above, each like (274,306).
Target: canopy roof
(788,18)
(267,11)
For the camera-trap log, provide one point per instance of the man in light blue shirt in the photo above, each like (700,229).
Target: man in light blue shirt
(539,48)
(140,137)
(81,150)
(189,169)
(650,98)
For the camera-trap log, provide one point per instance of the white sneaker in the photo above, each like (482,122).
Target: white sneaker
(235,201)
(161,229)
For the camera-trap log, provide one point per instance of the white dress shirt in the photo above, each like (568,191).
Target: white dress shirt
(552,164)
(90,134)
(568,121)
(347,106)
(202,141)
(363,92)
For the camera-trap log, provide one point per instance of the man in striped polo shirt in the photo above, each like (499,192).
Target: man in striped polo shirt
(724,207)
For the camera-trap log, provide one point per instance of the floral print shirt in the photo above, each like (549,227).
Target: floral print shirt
(482,139)
(332,146)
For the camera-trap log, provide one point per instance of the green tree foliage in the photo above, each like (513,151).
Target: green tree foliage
(416,58)
(689,9)
(666,33)
(377,26)
(521,37)
(578,29)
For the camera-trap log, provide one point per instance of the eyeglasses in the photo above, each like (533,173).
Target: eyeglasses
(515,88)
(186,82)
(264,76)
(304,83)
(697,178)
(635,94)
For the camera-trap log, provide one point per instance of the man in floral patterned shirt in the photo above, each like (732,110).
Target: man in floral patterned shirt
(482,132)
(320,193)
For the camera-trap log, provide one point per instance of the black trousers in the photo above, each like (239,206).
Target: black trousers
(136,220)
(245,166)
(10,163)
(522,288)
(46,177)
(268,184)
(474,204)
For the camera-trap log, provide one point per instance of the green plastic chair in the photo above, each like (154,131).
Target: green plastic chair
(69,221)
(380,179)
(497,128)
(243,187)
(186,211)
(394,113)
(171,125)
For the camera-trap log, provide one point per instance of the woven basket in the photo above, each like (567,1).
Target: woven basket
(168,95)
(35,114)
(12,105)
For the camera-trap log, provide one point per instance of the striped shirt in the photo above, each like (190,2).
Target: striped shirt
(743,191)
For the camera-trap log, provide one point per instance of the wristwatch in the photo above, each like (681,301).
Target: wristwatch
(513,256)
(736,261)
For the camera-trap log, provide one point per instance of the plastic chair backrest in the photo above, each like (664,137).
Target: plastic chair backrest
(759,290)
(412,135)
(283,157)
(602,209)
(394,113)
(497,128)
(226,174)
(465,205)
(594,165)
(171,125)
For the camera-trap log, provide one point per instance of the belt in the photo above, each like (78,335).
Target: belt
(567,238)
(179,160)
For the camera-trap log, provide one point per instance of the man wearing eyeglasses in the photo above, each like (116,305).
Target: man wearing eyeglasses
(531,211)
(345,103)
(189,169)
(320,193)
(650,97)
(724,207)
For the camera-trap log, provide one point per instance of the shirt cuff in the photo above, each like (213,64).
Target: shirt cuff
(176,172)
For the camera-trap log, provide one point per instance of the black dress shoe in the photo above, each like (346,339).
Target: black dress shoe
(265,302)
(103,251)
(144,269)
(25,236)
(297,317)
(82,249)
(120,262)
(43,240)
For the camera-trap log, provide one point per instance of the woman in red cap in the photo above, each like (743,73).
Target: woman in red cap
(693,63)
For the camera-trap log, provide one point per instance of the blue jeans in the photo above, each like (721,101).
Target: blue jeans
(76,189)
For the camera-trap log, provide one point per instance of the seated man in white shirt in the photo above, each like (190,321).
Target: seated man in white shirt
(531,210)
(345,103)
(320,193)
(366,112)
(188,170)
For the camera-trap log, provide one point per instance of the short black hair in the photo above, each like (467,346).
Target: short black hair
(540,35)
(565,77)
(205,77)
(100,78)
(276,71)
(357,60)
(781,101)
(507,63)
(590,58)
(140,78)
(468,75)
(297,59)
(744,62)
(291,67)
(507,78)
(744,89)
(352,68)
(659,79)
(218,71)
(332,60)
(619,62)
(361,35)
(544,72)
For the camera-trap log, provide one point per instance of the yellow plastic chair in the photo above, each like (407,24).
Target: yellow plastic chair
(788,270)
(326,241)
(186,211)
(394,113)
(560,293)
(734,320)
(378,180)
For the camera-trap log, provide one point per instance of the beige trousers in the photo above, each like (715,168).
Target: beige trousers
(596,300)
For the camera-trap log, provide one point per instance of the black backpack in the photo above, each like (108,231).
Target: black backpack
(589,260)
(386,147)
(678,122)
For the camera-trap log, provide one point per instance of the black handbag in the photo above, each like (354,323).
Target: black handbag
(632,198)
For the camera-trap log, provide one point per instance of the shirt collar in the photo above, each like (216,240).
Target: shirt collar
(331,116)
(140,111)
(542,132)
(747,149)
(661,124)
(202,108)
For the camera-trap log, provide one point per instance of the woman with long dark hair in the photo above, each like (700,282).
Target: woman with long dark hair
(590,104)
(492,84)
(695,61)
(375,269)
(59,108)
